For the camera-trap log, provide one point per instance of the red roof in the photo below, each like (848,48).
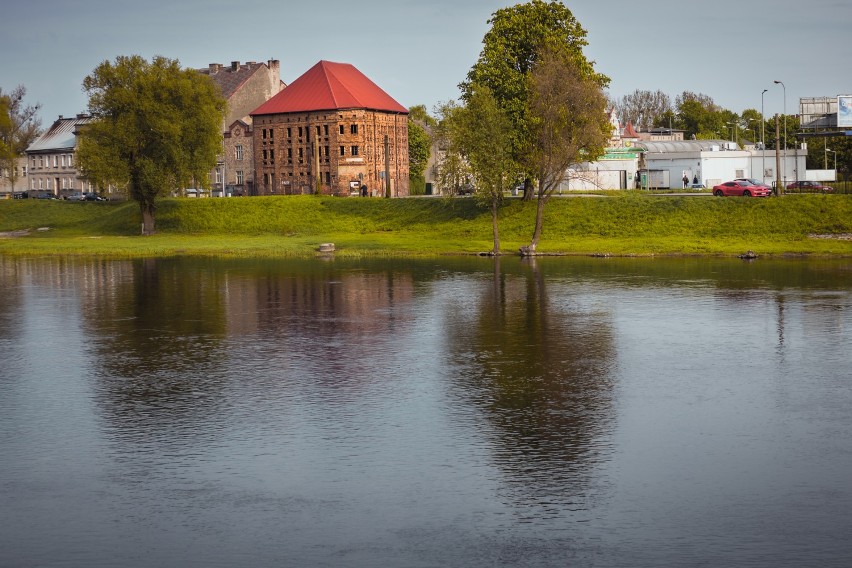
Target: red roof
(630,132)
(330,86)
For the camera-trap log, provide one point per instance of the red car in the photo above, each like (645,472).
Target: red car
(806,186)
(741,188)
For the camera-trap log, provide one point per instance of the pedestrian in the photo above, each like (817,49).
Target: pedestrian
(364,190)
(685,180)
(695,179)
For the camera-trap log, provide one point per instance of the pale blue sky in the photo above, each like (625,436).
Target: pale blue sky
(418,51)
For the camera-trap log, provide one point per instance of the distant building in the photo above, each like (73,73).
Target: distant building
(332,130)
(245,86)
(51,159)
(7,187)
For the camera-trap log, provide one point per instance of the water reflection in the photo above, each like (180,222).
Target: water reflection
(465,412)
(541,371)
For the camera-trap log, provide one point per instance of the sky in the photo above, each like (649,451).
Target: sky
(418,51)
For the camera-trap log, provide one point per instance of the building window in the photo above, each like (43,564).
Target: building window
(354,150)
(325,129)
(62,160)
(263,133)
(300,132)
(353,129)
(33,161)
(240,177)
(239,150)
(328,178)
(41,161)
(64,182)
(289,153)
(271,133)
(319,132)
(32,183)
(326,152)
(218,175)
(55,161)
(272,155)
(341,129)
(342,150)
(40,183)
(289,132)
(70,160)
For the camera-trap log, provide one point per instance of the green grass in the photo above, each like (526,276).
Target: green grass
(621,224)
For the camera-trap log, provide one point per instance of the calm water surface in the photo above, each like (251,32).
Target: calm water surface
(565,412)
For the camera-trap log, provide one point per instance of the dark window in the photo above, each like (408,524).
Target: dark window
(325,128)
(353,129)
(300,132)
(342,150)
(289,132)
(354,150)
(328,178)
(341,129)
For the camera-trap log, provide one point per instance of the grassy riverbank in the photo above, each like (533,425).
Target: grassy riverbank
(622,224)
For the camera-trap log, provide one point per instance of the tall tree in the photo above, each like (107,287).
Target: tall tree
(567,123)
(453,171)
(19,127)
(643,109)
(481,130)
(156,127)
(419,146)
(510,50)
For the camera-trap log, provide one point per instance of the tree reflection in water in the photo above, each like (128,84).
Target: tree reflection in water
(542,373)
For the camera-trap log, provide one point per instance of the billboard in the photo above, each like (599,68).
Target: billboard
(844,111)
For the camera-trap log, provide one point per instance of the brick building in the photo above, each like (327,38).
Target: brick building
(332,130)
(245,86)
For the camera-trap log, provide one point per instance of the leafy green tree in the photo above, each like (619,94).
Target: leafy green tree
(453,171)
(567,123)
(19,127)
(419,147)
(511,48)
(155,128)
(481,131)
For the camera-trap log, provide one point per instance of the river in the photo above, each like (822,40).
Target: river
(425,413)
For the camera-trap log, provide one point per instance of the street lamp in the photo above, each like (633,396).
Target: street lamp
(762,138)
(784,171)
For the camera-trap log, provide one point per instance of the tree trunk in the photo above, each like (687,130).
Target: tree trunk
(148,210)
(539,222)
(528,189)
(496,250)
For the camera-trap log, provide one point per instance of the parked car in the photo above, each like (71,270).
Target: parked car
(741,188)
(696,186)
(753,181)
(20,195)
(810,186)
(75,196)
(45,195)
(92,196)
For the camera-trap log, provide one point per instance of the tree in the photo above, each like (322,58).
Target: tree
(481,130)
(510,50)
(644,109)
(453,172)
(567,120)
(155,128)
(419,146)
(19,128)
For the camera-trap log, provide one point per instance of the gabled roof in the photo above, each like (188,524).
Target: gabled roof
(60,136)
(330,86)
(630,132)
(230,79)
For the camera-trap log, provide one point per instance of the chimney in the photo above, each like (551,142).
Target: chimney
(235,65)
(275,66)
(214,67)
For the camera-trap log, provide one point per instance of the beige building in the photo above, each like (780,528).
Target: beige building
(51,161)
(15,181)
(245,86)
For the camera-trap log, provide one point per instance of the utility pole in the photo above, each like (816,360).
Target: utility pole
(387,168)
(777,157)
